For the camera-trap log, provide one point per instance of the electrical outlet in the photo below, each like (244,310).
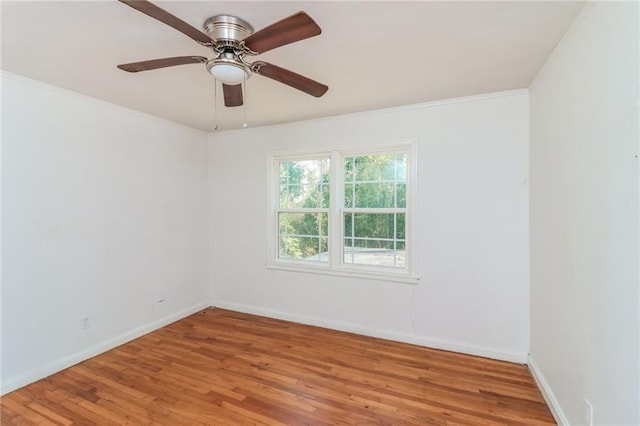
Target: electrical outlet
(85,323)
(588,413)
(160,297)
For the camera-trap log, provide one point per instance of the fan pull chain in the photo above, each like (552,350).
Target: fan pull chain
(215,104)
(244,103)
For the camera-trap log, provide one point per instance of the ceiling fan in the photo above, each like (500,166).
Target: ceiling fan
(233,39)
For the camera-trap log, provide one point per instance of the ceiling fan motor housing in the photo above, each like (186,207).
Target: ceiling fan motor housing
(228,28)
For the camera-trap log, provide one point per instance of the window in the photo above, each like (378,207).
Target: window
(344,213)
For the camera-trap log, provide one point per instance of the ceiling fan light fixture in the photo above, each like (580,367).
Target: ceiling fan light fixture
(228,71)
(228,74)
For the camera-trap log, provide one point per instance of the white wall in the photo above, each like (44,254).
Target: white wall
(102,208)
(584,219)
(473,228)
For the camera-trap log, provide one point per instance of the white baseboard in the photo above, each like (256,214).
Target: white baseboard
(430,342)
(547,393)
(53,367)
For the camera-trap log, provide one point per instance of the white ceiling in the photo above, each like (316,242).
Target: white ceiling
(370,54)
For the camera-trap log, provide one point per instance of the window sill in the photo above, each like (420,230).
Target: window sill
(343,272)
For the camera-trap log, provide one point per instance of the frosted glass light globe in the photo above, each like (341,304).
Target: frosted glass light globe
(228,73)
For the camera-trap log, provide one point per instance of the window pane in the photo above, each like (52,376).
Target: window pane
(304,196)
(374,167)
(374,239)
(303,236)
(303,248)
(400,226)
(317,196)
(373,195)
(290,172)
(289,194)
(375,181)
(369,225)
(348,168)
(348,194)
(369,256)
(401,193)
(348,224)
(304,224)
(401,167)
(304,184)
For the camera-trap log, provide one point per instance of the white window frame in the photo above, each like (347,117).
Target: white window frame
(336,265)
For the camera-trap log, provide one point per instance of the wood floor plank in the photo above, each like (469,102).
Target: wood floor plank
(220,367)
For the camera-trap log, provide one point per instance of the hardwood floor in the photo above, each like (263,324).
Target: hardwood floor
(220,367)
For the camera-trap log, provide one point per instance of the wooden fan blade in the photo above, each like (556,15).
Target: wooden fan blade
(232,95)
(163,16)
(294,28)
(292,79)
(161,63)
